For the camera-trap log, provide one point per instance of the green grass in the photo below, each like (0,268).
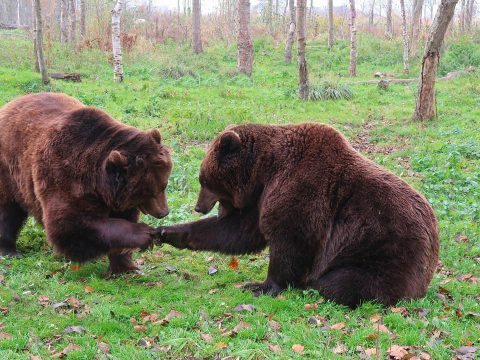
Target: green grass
(191,99)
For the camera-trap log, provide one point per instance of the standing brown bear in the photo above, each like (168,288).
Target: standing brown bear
(83,175)
(334,220)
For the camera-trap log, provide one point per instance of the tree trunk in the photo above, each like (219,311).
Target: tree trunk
(116,42)
(405,37)
(426,105)
(416,26)
(469,14)
(370,17)
(72,22)
(291,32)
(39,42)
(303,90)
(34,27)
(330,24)
(244,40)
(63,21)
(389,26)
(353,40)
(197,32)
(83,17)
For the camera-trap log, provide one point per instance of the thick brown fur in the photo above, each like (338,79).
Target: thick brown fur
(334,220)
(81,174)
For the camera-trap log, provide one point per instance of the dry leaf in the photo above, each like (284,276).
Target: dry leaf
(468,278)
(207,338)
(425,356)
(173,314)
(371,351)
(274,325)
(212,291)
(104,348)
(372,337)
(233,264)
(244,307)
(375,318)
(212,270)
(461,238)
(144,343)
(381,328)
(339,349)
(35,357)
(299,349)
(75,267)
(4,335)
(397,352)
(89,289)
(74,329)
(140,328)
(311,306)
(43,300)
(275,348)
(221,345)
(140,261)
(338,326)
(241,325)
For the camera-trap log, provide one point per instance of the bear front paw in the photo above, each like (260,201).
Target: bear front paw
(265,288)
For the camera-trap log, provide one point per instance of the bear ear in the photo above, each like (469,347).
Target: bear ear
(117,159)
(155,134)
(229,142)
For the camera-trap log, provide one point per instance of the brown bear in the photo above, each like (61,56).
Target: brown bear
(334,220)
(81,174)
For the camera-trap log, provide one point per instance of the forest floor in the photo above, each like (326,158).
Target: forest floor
(189,304)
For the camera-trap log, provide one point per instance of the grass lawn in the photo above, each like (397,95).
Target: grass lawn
(187,303)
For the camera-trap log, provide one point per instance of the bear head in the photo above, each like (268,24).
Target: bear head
(136,174)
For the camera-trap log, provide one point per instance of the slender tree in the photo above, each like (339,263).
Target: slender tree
(116,41)
(330,23)
(39,41)
(244,40)
(83,18)
(405,37)
(416,26)
(353,40)
(371,15)
(389,24)
(72,22)
(197,31)
(303,87)
(63,21)
(291,32)
(426,106)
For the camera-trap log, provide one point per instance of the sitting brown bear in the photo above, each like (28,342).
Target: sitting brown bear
(334,220)
(83,175)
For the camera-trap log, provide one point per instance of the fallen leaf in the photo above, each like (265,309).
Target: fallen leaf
(173,314)
(339,349)
(244,307)
(425,356)
(144,343)
(207,338)
(466,351)
(474,314)
(89,289)
(274,348)
(375,318)
(35,357)
(43,300)
(372,336)
(64,352)
(311,307)
(274,325)
(104,348)
(397,352)
(468,278)
(233,264)
(75,267)
(221,345)
(338,326)
(170,269)
(381,328)
(140,328)
(4,335)
(299,349)
(241,325)
(140,261)
(401,310)
(2,278)
(59,305)
(461,238)
(371,351)
(74,302)
(212,270)
(164,348)
(422,312)
(212,291)
(74,329)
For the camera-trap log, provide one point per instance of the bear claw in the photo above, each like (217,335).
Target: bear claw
(265,288)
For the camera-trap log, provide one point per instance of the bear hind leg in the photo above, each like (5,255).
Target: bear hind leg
(351,286)
(12,218)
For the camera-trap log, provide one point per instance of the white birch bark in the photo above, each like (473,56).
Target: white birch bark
(116,41)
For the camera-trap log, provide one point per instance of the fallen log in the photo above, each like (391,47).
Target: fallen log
(75,77)
(385,81)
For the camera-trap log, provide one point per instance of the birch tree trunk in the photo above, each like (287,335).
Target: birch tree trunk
(291,32)
(416,26)
(353,40)
(389,26)
(116,42)
(72,22)
(303,90)
(39,41)
(405,37)
(63,21)
(244,40)
(330,24)
(426,106)
(197,31)
(83,17)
